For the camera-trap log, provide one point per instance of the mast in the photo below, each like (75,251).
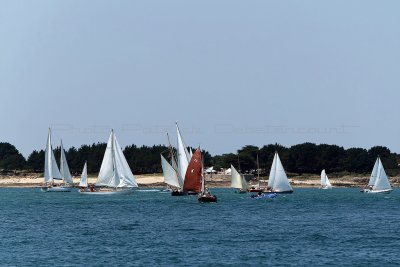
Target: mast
(239,163)
(203,179)
(258,169)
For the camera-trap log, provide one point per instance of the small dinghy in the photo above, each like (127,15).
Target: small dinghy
(325,184)
(264,195)
(379,182)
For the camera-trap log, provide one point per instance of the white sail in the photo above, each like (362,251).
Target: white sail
(125,174)
(374,173)
(272,172)
(106,174)
(382,181)
(64,169)
(236,179)
(183,156)
(324,180)
(170,176)
(280,180)
(83,182)
(51,170)
(114,170)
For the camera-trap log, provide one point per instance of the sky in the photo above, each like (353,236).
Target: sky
(231,73)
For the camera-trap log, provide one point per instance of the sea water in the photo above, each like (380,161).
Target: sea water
(311,227)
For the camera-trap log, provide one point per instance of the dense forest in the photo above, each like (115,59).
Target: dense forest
(298,159)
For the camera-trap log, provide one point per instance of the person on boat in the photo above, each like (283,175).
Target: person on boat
(91,188)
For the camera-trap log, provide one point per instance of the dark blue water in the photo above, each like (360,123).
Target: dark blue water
(311,227)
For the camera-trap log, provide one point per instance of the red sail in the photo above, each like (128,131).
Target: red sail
(193,173)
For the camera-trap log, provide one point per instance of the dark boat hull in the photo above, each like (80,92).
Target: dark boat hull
(207,199)
(255,190)
(178,193)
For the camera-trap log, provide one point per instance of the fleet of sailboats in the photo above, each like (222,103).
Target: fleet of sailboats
(378,182)
(183,172)
(325,183)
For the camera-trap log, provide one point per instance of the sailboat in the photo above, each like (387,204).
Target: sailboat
(238,181)
(170,174)
(325,184)
(195,180)
(378,182)
(278,181)
(83,183)
(51,171)
(115,176)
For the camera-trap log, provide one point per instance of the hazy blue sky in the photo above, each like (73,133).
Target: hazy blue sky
(230,72)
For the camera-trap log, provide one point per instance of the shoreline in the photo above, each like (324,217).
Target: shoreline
(157,181)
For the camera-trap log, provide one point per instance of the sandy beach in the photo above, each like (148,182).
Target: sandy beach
(156,180)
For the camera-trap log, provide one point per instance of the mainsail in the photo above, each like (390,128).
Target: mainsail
(83,182)
(183,156)
(237,180)
(324,180)
(114,170)
(374,173)
(193,177)
(64,169)
(382,181)
(170,175)
(277,177)
(51,170)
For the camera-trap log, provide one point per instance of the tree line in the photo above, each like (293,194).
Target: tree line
(298,159)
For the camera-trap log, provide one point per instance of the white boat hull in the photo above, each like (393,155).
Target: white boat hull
(107,192)
(56,189)
(371,191)
(326,187)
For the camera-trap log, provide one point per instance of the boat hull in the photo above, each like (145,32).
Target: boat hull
(326,187)
(255,190)
(207,198)
(56,189)
(372,191)
(178,193)
(107,192)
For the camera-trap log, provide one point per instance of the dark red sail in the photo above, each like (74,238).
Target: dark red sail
(193,173)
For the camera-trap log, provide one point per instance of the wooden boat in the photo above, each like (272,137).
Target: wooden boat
(278,181)
(171,169)
(115,176)
(52,173)
(378,182)
(194,179)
